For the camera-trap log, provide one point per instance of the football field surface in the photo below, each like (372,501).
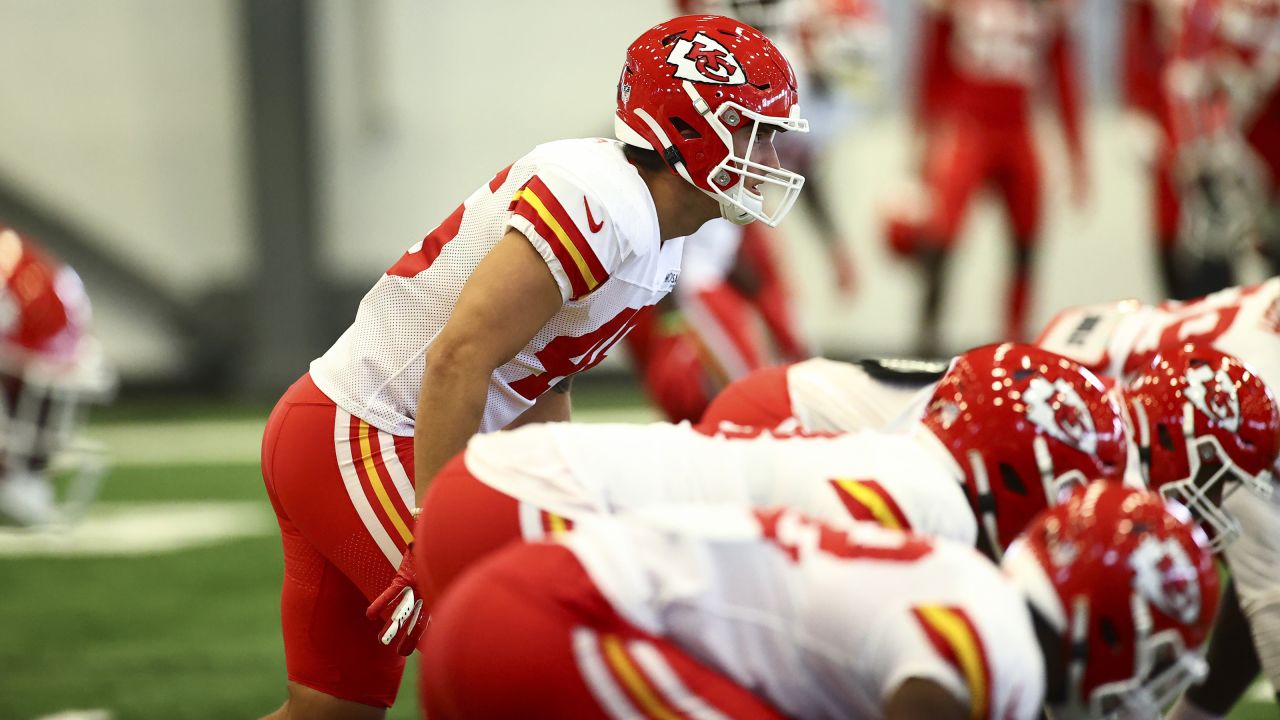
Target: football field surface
(163,602)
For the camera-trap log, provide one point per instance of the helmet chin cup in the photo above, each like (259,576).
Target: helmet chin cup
(747,189)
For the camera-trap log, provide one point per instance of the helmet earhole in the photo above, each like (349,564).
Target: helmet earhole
(1110,636)
(1163,437)
(1012,482)
(685,130)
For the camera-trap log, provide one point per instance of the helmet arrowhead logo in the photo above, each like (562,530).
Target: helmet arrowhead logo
(1057,409)
(1213,393)
(1164,576)
(703,60)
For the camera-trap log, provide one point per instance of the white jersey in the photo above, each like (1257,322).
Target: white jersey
(591,218)
(573,470)
(1115,339)
(833,396)
(823,621)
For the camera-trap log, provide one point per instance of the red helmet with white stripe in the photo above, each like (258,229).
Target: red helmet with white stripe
(707,93)
(1203,422)
(1127,586)
(1024,425)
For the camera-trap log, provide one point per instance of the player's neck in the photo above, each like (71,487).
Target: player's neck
(681,207)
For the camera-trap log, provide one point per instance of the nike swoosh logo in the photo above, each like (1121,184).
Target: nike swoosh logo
(591,221)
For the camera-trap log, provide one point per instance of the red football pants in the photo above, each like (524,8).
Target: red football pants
(761,399)
(341,491)
(526,634)
(964,154)
(463,521)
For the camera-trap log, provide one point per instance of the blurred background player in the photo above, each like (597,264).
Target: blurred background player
(51,370)
(733,311)
(980,62)
(720,611)
(1224,118)
(1151,30)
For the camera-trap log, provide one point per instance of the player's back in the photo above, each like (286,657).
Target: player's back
(1120,338)
(587,212)
(822,620)
(902,481)
(833,396)
(575,469)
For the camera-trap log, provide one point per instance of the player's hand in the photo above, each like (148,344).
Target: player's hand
(400,608)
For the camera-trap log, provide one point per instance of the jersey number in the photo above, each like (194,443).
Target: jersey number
(420,256)
(567,355)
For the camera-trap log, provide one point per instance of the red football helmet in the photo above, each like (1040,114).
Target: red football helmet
(1129,588)
(707,93)
(1203,419)
(49,367)
(1024,425)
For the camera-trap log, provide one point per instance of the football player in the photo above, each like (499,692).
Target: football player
(981,60)
(1127,338)
(1224,111)
(51,368)
(1150,40)
(533,278)
(732,283)
(1007,430)
(723,612)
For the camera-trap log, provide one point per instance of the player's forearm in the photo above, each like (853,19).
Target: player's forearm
(450,408)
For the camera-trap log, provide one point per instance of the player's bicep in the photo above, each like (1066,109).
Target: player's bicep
(508,298)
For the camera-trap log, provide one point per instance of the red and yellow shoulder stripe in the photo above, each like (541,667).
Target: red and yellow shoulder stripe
(867,500)
(955,638)
(536,203)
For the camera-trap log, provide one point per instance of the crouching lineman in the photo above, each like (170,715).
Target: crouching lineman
(1124,338)
(1009,429)
(724,612)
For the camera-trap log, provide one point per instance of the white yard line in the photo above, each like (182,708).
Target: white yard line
(239,441)
(124,529)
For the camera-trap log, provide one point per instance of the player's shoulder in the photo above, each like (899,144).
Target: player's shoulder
(613,196)
(979,631)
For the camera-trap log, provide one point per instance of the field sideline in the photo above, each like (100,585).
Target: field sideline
(164,603)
